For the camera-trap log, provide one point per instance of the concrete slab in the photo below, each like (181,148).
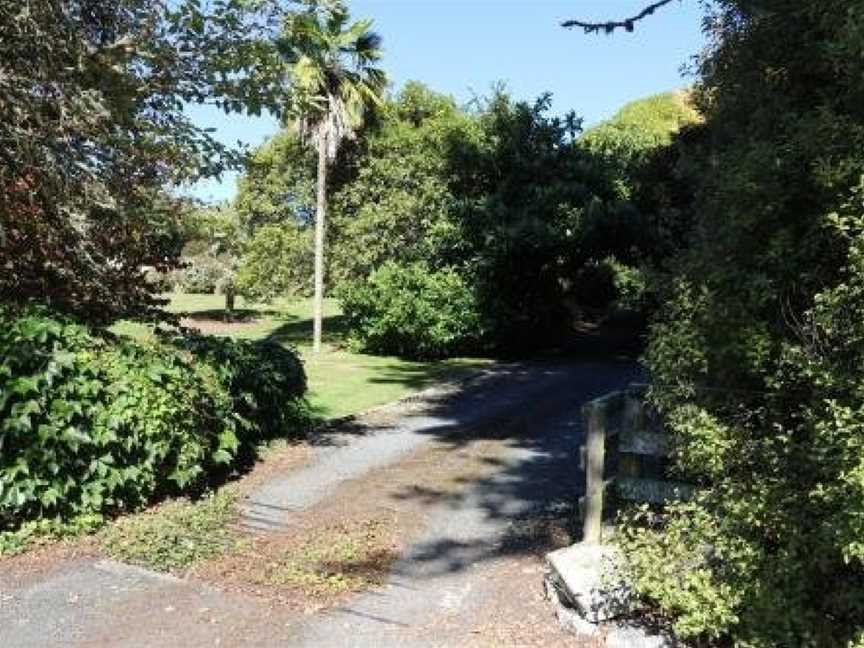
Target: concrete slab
(586,575)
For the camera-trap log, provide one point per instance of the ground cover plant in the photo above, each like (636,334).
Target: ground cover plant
(177,534)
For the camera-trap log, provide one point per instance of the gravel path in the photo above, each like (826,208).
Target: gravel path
(462,581)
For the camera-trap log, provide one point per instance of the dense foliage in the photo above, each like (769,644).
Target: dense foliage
(413,312)
(94,425)
(758,352)
(263,379)
(277,262)
(396,202)
(512,199)
(93,133)
(278,185)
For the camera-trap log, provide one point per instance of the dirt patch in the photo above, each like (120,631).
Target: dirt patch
(519,614)
(221,326)
(32,565)
(311,567)
(349,542)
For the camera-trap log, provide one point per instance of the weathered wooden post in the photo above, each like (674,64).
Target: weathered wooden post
(594,417)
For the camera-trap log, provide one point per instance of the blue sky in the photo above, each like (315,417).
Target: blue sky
(462,47)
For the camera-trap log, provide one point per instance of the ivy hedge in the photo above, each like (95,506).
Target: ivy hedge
(91,424)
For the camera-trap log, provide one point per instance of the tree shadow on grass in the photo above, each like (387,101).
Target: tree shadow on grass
(295,330)
(237,315)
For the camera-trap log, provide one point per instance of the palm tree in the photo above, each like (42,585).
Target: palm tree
(334,83)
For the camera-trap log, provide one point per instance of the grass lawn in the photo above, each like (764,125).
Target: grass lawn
(340,381)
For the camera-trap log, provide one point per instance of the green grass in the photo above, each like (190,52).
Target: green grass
(340,381)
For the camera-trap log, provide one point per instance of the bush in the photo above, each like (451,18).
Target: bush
(631,286)
(202,275)
(757,354)
(264,380)
(158,282)
(781,470)
(413,312)
(93,425)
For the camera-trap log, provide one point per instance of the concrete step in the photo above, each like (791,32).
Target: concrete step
(593,601)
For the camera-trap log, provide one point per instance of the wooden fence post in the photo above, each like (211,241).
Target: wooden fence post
(594,416)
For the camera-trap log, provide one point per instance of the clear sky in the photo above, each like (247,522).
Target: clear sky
(462,47)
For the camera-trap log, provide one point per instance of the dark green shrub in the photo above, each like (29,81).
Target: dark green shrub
(264,379)
(93,425)
(757,354)
(413,312)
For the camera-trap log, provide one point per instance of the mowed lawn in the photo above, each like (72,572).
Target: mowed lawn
(340,381)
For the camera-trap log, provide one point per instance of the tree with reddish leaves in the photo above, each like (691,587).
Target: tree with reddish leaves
(94,135)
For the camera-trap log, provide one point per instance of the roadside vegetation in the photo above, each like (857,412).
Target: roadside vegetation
(755,353)
(151,348)
(154,347)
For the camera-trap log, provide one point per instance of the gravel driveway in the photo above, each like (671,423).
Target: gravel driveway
(470,573)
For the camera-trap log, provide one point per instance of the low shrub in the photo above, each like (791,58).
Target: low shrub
(265,381)
(93,425)
(413,312)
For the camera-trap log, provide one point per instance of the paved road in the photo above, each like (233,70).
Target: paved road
(459,582)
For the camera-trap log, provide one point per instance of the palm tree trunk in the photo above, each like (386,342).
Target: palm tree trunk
(320,214)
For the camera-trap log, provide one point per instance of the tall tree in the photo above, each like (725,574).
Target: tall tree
(335,80)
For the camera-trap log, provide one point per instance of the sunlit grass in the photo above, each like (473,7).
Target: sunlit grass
(341,381)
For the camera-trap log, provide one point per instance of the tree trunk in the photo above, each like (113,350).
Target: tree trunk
(320,214)
(229,301)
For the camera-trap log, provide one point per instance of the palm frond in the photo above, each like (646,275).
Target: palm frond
(334,81)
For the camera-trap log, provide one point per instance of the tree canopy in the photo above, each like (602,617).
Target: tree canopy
(93,128)
(515,200)
(756,354)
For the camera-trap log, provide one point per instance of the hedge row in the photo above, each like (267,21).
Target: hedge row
(92,424)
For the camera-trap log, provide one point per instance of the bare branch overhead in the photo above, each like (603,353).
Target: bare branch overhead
(610,26)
